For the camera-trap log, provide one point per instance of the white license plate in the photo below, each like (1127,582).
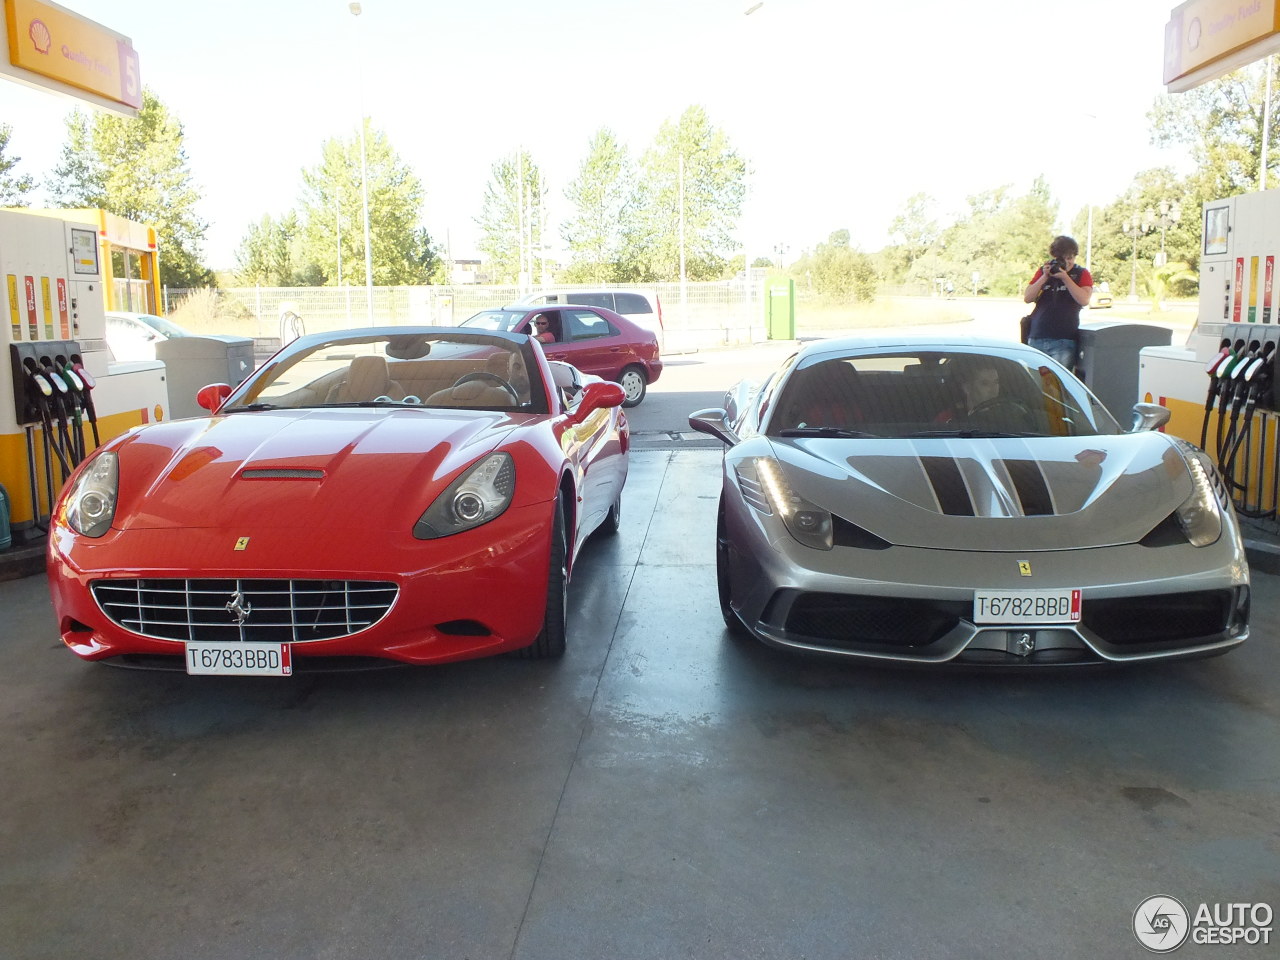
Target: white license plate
(239,659)
(1026,606)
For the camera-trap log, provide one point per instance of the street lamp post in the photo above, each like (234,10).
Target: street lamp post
(1135,228)
(1170,213)
(356,9)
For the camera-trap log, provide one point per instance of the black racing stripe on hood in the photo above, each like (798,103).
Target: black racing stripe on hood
(948,485)
(1033,492)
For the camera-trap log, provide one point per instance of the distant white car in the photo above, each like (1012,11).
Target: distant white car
(641,307)
(133,336)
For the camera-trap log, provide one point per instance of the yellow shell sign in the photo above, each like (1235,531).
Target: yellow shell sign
(53,42)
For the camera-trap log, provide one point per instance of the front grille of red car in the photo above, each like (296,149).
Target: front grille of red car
(266,611)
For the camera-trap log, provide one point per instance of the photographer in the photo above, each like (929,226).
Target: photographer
(1059,290)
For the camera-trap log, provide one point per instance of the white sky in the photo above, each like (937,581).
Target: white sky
(843,108)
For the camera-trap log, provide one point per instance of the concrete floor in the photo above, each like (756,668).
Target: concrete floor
(662,792)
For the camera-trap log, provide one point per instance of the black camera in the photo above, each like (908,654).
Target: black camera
(1055,265)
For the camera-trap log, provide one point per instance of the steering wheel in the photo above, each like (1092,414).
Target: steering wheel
(487,377)
(1002,408)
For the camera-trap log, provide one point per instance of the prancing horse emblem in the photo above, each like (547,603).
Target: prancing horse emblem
(239,607)
(1024,568)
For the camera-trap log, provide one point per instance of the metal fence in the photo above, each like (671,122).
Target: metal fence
(694,315)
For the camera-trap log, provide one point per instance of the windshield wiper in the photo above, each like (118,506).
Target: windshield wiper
(826,432)
(251,406)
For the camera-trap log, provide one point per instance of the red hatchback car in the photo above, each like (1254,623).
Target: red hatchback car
(594,339)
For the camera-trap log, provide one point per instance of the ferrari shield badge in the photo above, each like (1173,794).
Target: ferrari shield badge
(242,543)
(1024,567)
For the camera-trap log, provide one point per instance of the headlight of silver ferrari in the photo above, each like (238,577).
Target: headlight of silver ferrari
(481,493)
(807,522)
(90,504)
(1200,515)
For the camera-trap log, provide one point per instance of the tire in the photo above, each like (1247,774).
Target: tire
(550,642)
(724,589)
(633,385)
(613,519)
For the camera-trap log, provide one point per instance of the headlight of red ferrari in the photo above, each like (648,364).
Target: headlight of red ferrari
(90,504)
(481,493)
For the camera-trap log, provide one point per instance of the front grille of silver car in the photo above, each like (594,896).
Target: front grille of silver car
(266,611)
(1163,618)
(854,621)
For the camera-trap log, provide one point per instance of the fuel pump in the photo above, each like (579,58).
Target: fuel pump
(60,272)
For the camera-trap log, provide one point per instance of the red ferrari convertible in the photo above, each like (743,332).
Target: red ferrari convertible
(406,494)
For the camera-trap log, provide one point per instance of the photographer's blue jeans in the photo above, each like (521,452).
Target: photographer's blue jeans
(1064,351)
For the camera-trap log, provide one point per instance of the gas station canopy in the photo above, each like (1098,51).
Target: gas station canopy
(1205,39)
(50,47)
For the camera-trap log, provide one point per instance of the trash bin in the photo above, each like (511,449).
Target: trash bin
(1110,359)
(194,362)
(780,309)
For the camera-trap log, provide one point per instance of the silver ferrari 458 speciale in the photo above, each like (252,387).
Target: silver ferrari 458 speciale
(967,501)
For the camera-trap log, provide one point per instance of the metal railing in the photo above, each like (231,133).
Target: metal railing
(694,315)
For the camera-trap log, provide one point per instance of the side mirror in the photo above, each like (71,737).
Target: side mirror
(1149,416)
(213,396)
(714,421)
(595,396)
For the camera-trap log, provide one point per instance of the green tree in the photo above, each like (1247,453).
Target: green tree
(269,253)
(331,212)
(692,184)
(13,188)
(838,272)
(1001,237)
(600,195)
(915,231)
(1221,122)
(1113,254)
(513,218)
(137,168)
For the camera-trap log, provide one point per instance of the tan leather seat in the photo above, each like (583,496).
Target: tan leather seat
(367,379)
(473,393)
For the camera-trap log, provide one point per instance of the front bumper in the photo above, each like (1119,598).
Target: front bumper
(473,594)
(916,605)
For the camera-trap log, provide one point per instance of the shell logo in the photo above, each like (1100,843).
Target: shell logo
(159,413)
(40,36)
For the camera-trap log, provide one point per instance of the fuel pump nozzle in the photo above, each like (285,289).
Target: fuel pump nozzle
(1256,383)
(1233,393)
(77,364)
(1216,369)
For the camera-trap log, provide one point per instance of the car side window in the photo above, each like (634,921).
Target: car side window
(632,303)
(587,325)
(590,299)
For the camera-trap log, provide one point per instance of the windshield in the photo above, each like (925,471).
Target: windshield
(503,320)
(936,394)
(166,327)
(426,369)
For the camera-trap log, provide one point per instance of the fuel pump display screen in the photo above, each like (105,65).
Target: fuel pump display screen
(84,251)
(1215,230)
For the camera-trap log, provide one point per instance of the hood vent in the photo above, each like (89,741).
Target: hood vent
(282,474)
